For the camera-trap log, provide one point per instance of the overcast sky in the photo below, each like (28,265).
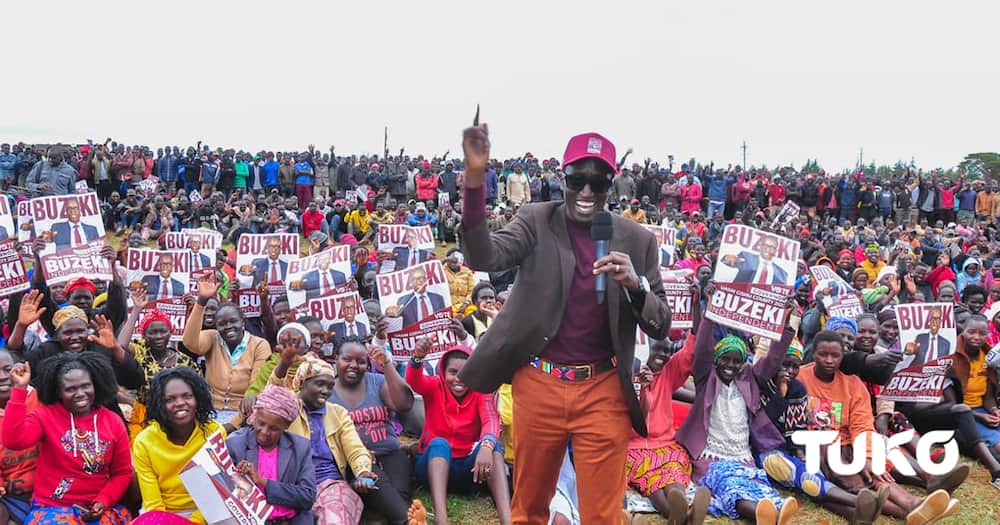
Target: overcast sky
(795,79)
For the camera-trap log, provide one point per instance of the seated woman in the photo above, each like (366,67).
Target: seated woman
(726,426)
(71,335)
(484,297)
(658,466)
(370,399)
(785,400)
(153,353)
(278,462)
(458,446)
(84,463)
(17,467)
(343,464)
(841,402)
(232,356)
(179,421)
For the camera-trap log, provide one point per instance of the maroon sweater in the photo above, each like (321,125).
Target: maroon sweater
(584,334)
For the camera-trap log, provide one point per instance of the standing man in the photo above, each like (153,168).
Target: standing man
(53,176)
(7,162)
(561,350)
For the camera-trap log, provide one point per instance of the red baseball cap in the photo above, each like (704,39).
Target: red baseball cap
(590,145)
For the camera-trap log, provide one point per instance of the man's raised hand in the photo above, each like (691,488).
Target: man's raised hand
(476,145)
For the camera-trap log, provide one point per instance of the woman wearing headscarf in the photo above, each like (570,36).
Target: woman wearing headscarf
(79,293)
(232,355)
(970,274)
(179,422)
(153,352)
(278,462)
(71,335)
(727,426)
(344,470)
(84,462)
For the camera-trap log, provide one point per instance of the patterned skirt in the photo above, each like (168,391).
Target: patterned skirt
(650,469)
(116,515)
(337,504)
(731,481)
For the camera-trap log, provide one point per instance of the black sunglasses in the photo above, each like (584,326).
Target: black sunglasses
(599,184)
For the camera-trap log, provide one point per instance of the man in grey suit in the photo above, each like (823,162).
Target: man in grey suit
(568,357)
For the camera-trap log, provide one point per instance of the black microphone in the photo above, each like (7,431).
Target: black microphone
(600,232)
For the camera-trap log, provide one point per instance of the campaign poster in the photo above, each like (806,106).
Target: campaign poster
(162,274)
(410,245)
(175,309)
(74,235)
(318,275)
(666,239)
(677,285)
(928,338)
(437,328)
(444,200)
(263,258)
(341,315)
(754,277)
(13,277)
(839,298)
(789,211)
(221,494)
(414,294)
(200,245)
(25,227)
(81,187)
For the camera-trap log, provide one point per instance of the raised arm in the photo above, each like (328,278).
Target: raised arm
(703,351)
(394,392)
(20,431)
(503,249)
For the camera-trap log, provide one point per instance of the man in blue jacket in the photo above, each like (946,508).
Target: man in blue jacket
(718,192)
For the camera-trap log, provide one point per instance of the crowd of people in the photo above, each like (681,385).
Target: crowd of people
(321,435)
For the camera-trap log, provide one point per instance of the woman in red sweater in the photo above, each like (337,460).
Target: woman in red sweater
(459,444)
(84,462)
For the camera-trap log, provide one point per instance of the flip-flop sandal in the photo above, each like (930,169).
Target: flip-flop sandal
(948,511)
(766,513)
(677,507)
(866,509)
(929,508)
(699,506)
(789,508)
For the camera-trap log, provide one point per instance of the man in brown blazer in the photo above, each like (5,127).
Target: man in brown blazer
(567,357)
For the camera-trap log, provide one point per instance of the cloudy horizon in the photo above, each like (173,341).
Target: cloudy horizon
(796,81)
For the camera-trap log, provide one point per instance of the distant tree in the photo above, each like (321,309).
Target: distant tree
(984,165)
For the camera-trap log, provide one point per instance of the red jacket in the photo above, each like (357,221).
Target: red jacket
(426,187)
(311,221)
(937,276)
(462,423)
(100,473)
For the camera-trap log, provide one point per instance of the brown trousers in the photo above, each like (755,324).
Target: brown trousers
(547,413)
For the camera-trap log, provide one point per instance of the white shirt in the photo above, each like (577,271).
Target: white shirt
(760,271)
(728,427)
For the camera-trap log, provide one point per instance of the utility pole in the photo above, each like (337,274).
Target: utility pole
(861,159)
(744,148)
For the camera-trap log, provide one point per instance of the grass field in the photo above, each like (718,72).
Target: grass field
(980,506)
